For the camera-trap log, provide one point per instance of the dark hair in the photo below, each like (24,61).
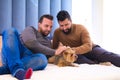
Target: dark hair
(45,16)
(62,15)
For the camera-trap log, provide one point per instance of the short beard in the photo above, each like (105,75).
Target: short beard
(43,34)
(69,30)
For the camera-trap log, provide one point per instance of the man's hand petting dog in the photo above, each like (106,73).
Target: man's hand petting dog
(60,50)
(65,57)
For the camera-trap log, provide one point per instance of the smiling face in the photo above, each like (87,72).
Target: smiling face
(65,26)
(45,26)
(65,22)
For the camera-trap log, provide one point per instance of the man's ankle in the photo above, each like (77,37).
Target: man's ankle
(22,74)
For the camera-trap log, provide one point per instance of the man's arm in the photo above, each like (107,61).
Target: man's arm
(29,39)
(86,43)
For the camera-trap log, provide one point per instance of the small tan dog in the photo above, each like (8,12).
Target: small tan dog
(66,58)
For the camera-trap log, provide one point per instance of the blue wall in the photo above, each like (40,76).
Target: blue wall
(23,13)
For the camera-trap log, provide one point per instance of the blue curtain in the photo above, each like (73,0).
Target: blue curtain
(5,14)
(32,13)
(23,13)
(44,7)
(55,6)
(18,14)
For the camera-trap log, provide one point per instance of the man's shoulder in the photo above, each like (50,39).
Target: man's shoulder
(57,30)
(29,30)
(30,27)
(79,26)
(28,34)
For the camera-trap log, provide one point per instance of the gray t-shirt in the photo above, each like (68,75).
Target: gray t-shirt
(36,42)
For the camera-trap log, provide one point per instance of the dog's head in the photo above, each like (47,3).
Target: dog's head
(69,55)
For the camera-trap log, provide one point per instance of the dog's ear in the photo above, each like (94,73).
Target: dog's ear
(65,53)
(60,44)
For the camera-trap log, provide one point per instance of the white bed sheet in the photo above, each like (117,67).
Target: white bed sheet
(83,72)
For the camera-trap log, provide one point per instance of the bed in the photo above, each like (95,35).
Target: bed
(82,72)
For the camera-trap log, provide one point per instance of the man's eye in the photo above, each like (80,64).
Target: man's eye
(66,24)
(61,26)
(71,55)
(46,25)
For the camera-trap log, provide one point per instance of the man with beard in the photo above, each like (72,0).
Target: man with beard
(19,60)
(77,37)
(37,40)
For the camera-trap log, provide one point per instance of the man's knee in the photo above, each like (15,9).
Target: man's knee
(10,31)
(42,61)
(99,50)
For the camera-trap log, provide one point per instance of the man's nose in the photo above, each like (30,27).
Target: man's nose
(49,29)
(64,27)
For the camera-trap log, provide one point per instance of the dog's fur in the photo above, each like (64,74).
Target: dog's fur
(66,58)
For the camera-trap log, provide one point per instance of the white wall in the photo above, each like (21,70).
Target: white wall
(102,19)
(81,13)
(111,25)
(97,21)
(89,13)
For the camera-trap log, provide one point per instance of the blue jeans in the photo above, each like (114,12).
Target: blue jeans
(16,56)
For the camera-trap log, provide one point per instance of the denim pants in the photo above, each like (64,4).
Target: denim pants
(16,56)
(98,55)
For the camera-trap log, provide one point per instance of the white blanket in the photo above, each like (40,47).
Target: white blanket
(83,72)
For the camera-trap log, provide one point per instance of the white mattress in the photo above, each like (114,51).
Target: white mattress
(83,72)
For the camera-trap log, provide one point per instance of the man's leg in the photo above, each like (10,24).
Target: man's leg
(11,54)
(10,50)
(36,61)
(4,70)
(82,59)
(102,55)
